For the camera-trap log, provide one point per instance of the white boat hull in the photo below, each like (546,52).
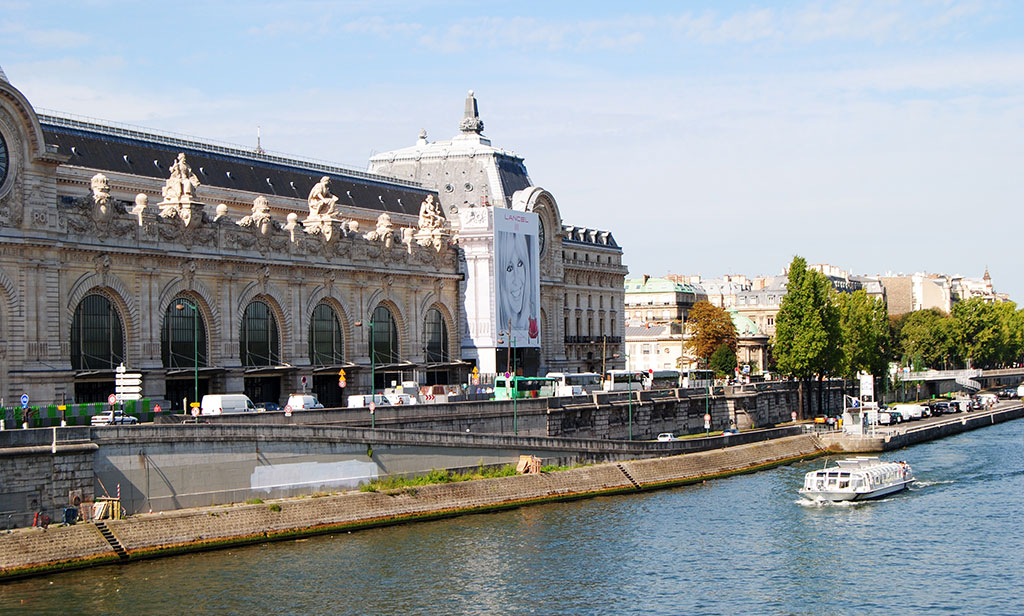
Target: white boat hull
(852,495)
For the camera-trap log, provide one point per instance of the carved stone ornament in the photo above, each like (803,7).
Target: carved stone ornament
(384,231)
(101,197)
(180,192)
(322,204)
(260,219)
(141,203)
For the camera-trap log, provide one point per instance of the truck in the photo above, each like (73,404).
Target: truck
(109,418)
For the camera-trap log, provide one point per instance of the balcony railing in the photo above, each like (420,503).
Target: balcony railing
(593,339)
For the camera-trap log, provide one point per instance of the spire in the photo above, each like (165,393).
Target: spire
(986,276)
(471,122)
(3,76)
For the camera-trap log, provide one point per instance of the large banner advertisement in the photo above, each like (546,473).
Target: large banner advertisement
(516,276)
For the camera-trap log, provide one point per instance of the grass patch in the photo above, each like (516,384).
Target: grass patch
(275,507)
(254,501)
(395,482)
(551,468)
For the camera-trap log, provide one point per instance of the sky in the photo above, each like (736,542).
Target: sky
(708,137)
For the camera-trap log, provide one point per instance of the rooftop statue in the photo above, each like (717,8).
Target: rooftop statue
(101,195)
(431,224)
(180,188)
(383,232)
(260,217)
(321,201)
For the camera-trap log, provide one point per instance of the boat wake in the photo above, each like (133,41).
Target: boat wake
(925,484)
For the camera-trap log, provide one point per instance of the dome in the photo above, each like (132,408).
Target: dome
(745,326)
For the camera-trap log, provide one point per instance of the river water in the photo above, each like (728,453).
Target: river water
(954,544)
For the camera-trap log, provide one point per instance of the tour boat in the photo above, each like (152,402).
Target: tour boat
(858,478)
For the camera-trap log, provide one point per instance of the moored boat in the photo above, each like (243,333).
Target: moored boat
(858,478)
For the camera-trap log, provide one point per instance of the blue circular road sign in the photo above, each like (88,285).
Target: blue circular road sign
(24,401)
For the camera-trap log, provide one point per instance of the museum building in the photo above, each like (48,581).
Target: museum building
(212,268)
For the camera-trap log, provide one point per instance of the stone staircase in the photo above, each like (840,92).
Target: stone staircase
(112,540)
(628,476)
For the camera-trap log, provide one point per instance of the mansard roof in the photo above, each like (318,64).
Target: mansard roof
(122,150)
(583,235)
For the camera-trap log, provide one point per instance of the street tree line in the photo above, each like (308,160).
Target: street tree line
(823,333)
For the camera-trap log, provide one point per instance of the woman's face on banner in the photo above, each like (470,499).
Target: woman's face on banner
(515,274)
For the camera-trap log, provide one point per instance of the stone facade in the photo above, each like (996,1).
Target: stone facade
(581,269)
(151,228)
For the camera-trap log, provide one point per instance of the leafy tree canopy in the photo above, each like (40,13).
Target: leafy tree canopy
(710,327)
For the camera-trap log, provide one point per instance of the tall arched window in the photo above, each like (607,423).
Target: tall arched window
(384,341)
(435,337)
(183,336)
(325,343)
(258,341)
(97,338)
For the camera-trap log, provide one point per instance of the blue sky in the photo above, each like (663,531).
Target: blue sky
(709,137)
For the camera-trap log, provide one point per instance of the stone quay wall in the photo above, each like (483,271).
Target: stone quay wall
(34,551)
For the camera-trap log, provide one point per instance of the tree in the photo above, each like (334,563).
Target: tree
(710,327)
(864,323)
(978,332)
(723,361)
(807,332)
(923,339)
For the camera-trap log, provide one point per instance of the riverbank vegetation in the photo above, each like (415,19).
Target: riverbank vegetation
(398,482)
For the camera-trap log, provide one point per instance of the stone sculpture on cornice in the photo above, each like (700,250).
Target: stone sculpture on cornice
(101,196)
(383,232)
(260,217)
(180,188)
(141,203)
(321,202)
(431,224)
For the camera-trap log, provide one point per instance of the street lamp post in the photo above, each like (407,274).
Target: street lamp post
(629,386)
(195,340)
(373,357)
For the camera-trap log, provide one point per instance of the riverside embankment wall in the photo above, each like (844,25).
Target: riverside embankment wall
(613,415)
(32,551)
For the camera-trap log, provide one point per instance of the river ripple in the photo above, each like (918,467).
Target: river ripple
(746,545)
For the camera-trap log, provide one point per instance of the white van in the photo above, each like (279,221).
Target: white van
(223,404)
(362,400)
(910,411)
(304,401)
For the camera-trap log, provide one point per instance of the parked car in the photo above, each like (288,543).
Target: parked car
(941,408)
(666,436)
(887,418)
(1007,392)
(304,401)
(910,412)
(267,407)
(109,418)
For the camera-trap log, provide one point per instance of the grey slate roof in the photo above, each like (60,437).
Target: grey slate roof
(115,150)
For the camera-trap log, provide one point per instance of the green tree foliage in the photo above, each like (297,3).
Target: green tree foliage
(982,332)
(864,323)
(723,361)
(923,339)
(710,327)
(807,332)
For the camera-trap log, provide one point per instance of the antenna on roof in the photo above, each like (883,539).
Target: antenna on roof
(259,148)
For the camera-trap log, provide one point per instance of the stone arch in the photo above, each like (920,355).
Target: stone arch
(10,291)
(539,201)
(401,323)
(204,299)
(322,294)
(115,289)
(31,130)
(449,322)
(269,294)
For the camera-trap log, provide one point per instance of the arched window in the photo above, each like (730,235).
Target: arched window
(325,343)
(258,341)
(435,337)
(97,338)
(183,336)
(384,341)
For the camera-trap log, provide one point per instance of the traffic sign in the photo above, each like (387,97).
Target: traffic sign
(373,407)
(707,417)
(157,409)
(341,374)
(194,405)
(195,411)
(112,399)
(793,415)
(303,380)
(24,401)
(288,410)
(508,375)
(342,382)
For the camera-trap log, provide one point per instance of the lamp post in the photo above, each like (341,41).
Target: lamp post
(195,340)
(511,379)
(629,386)
(373,356)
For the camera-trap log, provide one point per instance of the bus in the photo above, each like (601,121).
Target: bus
(621,380)
(663,379)
(519,387)
(698,378)
(577,383)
